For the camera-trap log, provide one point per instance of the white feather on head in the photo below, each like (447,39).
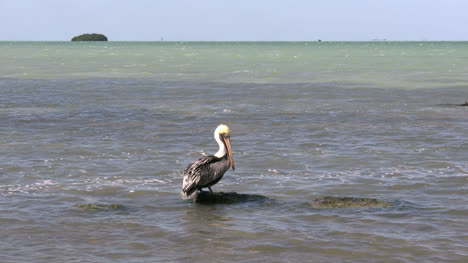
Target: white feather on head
(221,129)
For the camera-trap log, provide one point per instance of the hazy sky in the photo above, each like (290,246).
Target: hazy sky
(243,20)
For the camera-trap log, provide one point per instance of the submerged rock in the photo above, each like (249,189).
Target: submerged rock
(342,202)
(90,37)
(205,197)
(91,207)
(227,198)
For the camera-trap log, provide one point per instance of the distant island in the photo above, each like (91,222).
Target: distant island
(90,37)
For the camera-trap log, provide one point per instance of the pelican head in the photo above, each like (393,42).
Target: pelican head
(222,136)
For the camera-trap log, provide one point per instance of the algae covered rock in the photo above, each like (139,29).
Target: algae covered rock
(342,202)
(90,37)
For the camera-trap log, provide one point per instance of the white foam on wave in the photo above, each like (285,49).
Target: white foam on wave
(89,184)
(401,172)
(101,182)
(27,188)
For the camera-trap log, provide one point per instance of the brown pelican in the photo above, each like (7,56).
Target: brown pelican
(208,170)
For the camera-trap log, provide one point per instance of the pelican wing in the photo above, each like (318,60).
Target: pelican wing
(197,174)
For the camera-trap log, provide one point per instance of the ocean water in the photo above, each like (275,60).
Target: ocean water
(117,122)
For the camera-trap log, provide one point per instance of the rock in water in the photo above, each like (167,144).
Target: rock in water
(341,202)
(227,198)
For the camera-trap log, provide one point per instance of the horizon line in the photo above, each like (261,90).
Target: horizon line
(317,40)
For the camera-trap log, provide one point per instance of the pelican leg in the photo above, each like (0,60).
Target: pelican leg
(209,188)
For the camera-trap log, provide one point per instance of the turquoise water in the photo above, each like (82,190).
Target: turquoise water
(405,65)
(117,122)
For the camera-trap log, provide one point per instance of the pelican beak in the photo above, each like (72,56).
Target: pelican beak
(227,142)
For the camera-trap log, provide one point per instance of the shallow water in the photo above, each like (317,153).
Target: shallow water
(119,129)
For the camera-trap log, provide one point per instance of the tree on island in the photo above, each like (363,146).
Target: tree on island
(90,37)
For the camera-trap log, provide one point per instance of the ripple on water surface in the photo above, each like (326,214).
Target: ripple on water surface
(111,144)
